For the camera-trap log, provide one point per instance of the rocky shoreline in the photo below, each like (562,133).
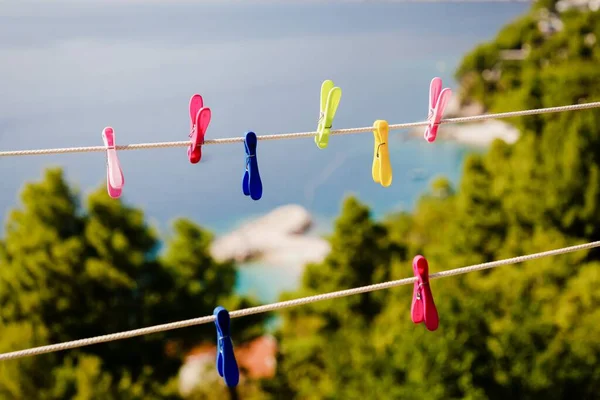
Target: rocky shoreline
(479,134)
(280,236)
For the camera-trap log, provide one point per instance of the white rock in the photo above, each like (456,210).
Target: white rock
(454,109)
(276,237)
(480,134)
(297,250)
(474,133)
(196,370)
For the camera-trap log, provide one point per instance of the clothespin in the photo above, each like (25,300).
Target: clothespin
(114,174)
(226,363)
(251,183)
(438,100)
(200,118)
(330,100)
(423,308)
(382,168)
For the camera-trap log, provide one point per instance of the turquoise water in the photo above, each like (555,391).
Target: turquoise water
(265,282)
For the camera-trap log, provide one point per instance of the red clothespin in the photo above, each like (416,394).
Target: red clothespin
(438,100)
(114,173)
(423,308)
(200,118)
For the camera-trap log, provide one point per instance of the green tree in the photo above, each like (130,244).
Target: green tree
(318,341)
(526,331)
(68,273)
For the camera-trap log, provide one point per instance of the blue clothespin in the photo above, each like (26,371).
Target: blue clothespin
(251,183)
(226,363)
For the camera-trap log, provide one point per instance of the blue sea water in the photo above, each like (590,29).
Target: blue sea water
(70,69)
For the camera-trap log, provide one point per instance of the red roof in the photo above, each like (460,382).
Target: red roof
(255,358)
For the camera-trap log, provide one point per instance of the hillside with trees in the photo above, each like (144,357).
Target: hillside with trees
(69,272)
(528,331)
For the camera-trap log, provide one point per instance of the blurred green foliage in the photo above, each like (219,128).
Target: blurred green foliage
(68,273)
(529,331)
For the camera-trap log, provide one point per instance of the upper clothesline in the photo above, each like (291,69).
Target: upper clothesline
(298,135)
(252,185)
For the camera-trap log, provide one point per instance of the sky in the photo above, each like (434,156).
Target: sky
(70,68)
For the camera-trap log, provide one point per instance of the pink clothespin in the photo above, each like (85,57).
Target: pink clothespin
(438,100)
(114,174)
(200,118)
(423,308)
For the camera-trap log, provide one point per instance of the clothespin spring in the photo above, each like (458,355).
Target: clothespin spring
(430,115)
(321,119)
(248,160)
(194,131)
(378,146)
(106,154)
(192,134)
(419,292)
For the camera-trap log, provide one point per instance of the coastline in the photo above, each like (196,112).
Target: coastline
(477,134)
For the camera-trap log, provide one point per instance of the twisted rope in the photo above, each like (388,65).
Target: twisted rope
(281,136)
(286,304)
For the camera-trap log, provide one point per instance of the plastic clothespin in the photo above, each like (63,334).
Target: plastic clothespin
(382,168)
(330,100)
(200,118)
(423,307)
(251,183)
(438,100)
(114,174)
(226,363)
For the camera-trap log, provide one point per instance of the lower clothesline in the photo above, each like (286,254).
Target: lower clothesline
(286,304)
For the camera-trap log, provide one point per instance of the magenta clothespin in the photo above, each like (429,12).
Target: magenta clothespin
(423,308)
(114,174)
(200,118)
(438,100)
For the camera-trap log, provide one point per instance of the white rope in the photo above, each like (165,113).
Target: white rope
(285,304)
(141,146)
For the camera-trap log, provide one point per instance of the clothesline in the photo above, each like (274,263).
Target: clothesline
(280,136)
(286,304)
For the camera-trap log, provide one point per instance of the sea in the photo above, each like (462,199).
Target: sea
(69,69)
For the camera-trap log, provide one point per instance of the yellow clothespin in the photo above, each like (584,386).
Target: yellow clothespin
(330,100)
(382,168)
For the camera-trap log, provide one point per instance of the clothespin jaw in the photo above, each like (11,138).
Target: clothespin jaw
(226,363)
(330,100)
(114,173)
(251,182)
(200,118)
(423,307)
(382,167)
(438,100)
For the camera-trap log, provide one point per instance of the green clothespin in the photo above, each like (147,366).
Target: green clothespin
(330,100)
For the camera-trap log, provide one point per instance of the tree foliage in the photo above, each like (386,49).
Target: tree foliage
(67,273)
(526,331)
